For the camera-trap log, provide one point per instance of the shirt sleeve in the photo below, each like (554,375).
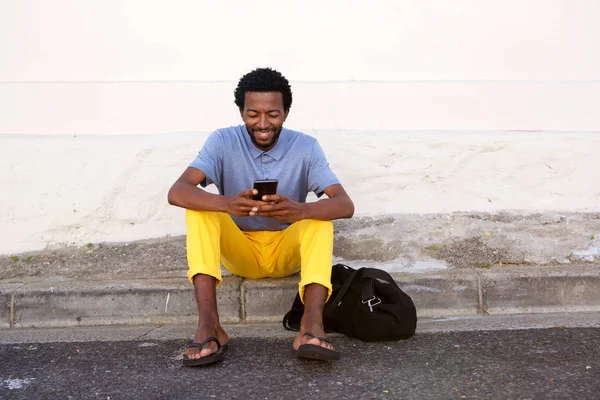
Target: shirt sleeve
(320,175)
(210,160)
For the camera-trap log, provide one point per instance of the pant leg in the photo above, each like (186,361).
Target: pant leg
(306,245)
(213,237)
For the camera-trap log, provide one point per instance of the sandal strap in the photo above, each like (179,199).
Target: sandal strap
(322,339)
(208,340)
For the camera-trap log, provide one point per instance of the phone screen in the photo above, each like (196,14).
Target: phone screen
(267,186)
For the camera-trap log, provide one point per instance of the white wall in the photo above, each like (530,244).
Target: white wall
(138,78)
(310,40)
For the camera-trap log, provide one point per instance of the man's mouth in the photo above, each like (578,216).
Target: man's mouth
(263,135)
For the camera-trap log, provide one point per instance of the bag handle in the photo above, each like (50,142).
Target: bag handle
(377,274)
(286,321)
(340,296)
(368,291)
(368,288)
(298,307)
(332,307)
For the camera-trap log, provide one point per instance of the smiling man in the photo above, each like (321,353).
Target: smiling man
(275,236)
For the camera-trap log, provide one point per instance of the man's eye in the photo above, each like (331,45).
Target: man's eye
(273,115)
(252,115)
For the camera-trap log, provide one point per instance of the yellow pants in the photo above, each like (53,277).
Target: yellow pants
(305,246)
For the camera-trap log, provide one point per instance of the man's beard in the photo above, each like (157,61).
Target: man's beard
(264,146)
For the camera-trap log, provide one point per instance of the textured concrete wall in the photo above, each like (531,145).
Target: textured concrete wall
(422,107)
(75,190)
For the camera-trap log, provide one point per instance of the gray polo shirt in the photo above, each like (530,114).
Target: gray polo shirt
(230,161)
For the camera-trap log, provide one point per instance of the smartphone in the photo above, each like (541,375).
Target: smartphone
(267,186)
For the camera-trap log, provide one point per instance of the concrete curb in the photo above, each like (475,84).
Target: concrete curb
(495,291)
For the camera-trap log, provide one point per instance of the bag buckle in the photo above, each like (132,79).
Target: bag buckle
(372,302)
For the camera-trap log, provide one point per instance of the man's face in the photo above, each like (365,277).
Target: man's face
(264,116)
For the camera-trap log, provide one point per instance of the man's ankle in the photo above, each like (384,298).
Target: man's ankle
(209,319)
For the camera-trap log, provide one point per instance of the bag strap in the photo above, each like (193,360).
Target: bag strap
(368,290)
(298,308)
(294,314)
(377,274)
(286,321)
(332,307)
(340,295)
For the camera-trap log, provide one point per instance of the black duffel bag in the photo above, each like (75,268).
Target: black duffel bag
(365,303)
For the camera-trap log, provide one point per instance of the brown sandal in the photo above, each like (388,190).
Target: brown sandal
(314,352)
(214,357)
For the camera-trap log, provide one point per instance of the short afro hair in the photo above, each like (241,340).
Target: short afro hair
(263,80)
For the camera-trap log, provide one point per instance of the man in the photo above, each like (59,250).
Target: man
(275,236)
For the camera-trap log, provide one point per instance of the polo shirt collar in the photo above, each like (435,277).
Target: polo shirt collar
(276,152)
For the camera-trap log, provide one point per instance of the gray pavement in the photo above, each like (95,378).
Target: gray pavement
(549,356)
(275,329)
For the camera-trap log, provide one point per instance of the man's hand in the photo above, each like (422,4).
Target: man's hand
(280,208)
(241,205)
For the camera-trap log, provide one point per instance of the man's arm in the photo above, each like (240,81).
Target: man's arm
(185,193)
(337,205)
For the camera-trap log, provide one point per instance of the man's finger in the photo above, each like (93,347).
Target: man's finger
(248,193)
(270,207)
(272,213)
(273,197)
(251,203)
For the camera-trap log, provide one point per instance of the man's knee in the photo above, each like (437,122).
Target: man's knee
(194,214)
(322,227)
(201,220)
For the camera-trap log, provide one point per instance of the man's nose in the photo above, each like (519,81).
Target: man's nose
(263,122)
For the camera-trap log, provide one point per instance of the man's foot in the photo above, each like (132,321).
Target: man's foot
(214,357)
(312,337)
(323,352)
(207,349)
(312,344)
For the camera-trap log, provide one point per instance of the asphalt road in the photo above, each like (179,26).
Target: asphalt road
(557,363)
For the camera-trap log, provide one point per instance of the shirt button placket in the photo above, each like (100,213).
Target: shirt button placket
(264,161)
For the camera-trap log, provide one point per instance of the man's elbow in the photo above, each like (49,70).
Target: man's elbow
(172,196)
(350,209)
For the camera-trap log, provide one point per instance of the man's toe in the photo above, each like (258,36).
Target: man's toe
(195,353)
(192,354)
(318,342)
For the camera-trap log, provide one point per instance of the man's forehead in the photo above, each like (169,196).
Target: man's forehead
(263,99)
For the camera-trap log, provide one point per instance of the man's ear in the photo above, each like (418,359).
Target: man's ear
(242,113)
(285,115)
